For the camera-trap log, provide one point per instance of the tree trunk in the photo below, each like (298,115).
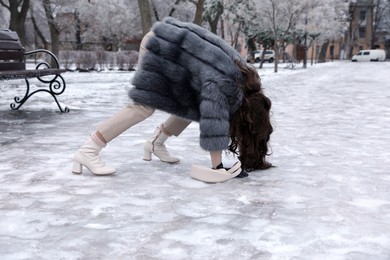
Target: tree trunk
(38,32)
(156,16)
(146,18)
(262,58)
(322,56)
(18,18)
(294,58)
(213,21)
(199,12)
(276,61)
(237,34)
(251,47)
(79,44)
(213,24)
(222,26)
(53,28)
(312,53)
(173,8)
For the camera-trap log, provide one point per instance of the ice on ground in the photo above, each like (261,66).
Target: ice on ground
(327,197)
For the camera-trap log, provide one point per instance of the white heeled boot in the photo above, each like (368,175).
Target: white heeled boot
(88,156)
(156,146)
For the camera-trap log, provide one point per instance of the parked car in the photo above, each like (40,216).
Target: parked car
(269,56)
(370,55)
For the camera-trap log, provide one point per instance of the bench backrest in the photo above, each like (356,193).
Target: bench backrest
(11,52)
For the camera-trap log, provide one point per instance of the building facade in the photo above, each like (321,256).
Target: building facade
(361,33)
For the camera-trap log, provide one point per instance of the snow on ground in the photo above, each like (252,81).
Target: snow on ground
(327,198)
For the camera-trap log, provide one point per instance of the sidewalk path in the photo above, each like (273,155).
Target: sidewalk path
(328,197)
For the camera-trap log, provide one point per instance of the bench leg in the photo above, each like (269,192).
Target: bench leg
(56,87)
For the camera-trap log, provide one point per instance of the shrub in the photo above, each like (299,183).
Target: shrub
(66,58)
(85,60)
(102,58)
(121,60)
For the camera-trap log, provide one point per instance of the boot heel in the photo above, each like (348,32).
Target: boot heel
(77,168)
(147,156)
(155,145)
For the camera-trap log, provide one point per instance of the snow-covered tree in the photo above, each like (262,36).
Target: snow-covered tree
(323,21)
(299,21)
(228,19)
(85,22)
(4,19)
(48,21)
(279,17)
(238,14)
(183,10)
(213,9)
(146,18)
(110,22)
(18,12)
(381,21)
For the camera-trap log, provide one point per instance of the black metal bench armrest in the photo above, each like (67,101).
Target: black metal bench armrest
(43,63)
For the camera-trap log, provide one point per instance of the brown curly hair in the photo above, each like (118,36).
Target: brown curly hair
(250,125)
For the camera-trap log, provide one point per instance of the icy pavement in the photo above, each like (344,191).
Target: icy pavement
(328,197)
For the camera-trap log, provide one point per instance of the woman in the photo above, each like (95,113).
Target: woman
(195,75)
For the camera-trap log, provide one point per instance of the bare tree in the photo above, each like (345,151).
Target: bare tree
(312,27)
(144,9)
(4,18)
(182,9)
(235,18)
(53,27)
(18,12)
(38,31)
(279,17)
(212,13)
(96,25)
(199,12)
(380,16)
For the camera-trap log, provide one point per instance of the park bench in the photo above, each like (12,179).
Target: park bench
(13,66)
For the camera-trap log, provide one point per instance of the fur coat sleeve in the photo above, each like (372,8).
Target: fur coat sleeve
(190,72)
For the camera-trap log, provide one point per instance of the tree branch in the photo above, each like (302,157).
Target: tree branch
(3,4)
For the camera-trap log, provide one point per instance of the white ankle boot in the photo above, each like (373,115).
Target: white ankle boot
(88,156)
(156,146)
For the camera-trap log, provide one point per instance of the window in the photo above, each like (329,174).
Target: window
(362,15)
(362,32)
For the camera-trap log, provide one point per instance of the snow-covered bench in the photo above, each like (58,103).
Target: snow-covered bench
(13,66)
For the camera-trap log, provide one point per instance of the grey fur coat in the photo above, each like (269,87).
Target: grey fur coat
(190,72)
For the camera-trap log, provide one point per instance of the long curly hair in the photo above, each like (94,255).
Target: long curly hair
(250,125)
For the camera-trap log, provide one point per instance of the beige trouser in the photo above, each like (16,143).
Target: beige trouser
(132,115)
(135,113)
